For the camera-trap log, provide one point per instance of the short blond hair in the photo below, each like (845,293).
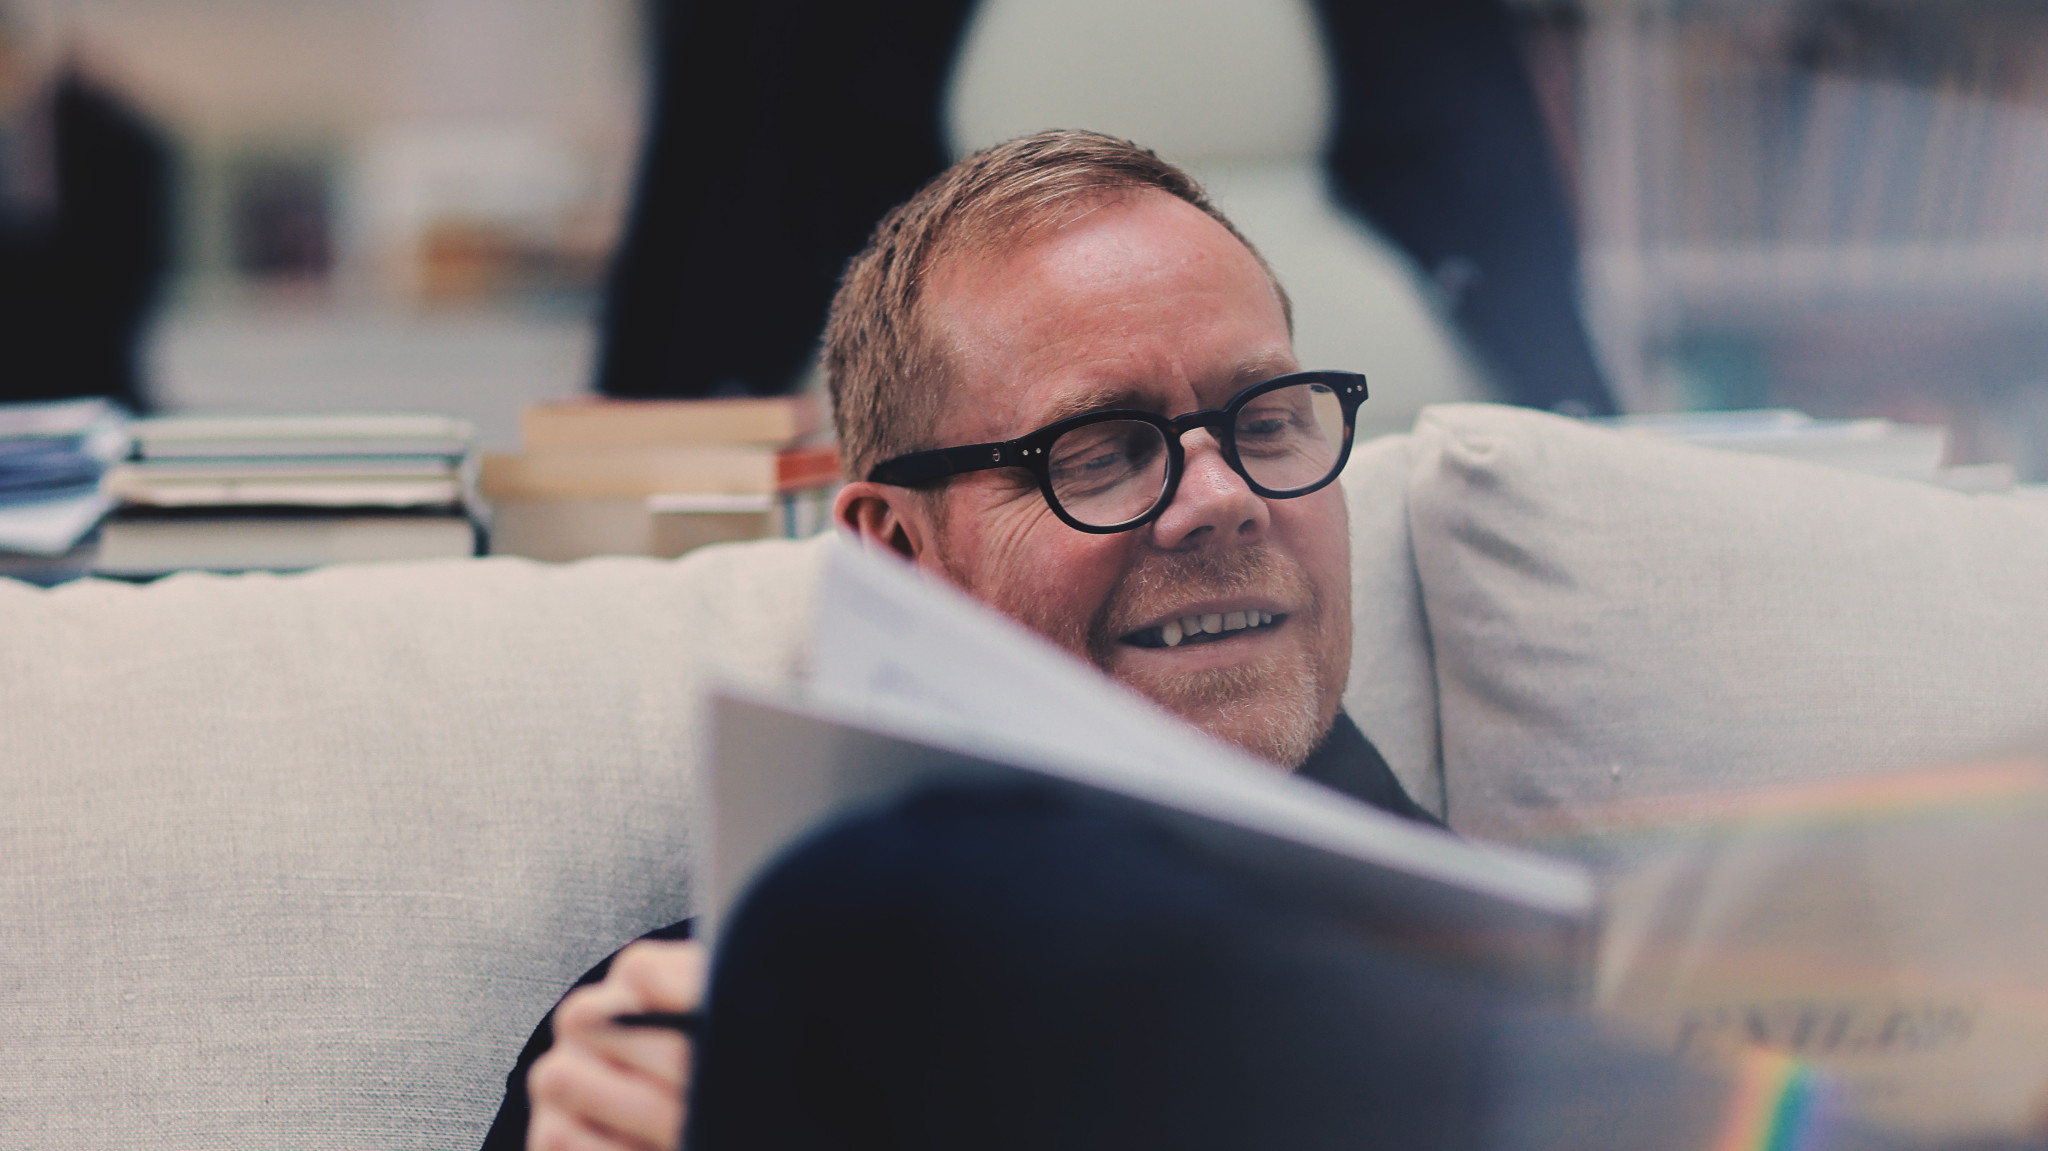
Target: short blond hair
(886,371)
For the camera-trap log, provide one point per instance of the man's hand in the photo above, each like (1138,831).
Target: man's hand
(603,1087)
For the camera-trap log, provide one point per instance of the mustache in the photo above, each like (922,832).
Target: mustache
(1162,583)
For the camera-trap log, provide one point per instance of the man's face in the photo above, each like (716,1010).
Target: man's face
(1145,302)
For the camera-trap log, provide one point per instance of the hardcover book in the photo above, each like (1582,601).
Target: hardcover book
(597,424)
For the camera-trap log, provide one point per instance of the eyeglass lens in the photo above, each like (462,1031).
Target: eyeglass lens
(1290,437)
(1108,473)
(1114,471)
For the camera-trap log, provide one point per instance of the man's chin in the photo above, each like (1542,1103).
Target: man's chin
(1273,713)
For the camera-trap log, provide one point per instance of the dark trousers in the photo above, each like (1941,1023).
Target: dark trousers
(76,290)
(1033,966)
(783,130)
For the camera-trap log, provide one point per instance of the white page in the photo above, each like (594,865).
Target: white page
(782,766)
(895,644)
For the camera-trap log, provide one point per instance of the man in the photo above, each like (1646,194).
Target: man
(1013,360)
(1057,278)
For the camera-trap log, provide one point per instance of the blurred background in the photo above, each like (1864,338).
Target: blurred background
(377,204)
(1839,206)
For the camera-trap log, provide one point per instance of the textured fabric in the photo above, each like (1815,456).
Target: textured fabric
(1392,691)
(297,862)
(1617,618)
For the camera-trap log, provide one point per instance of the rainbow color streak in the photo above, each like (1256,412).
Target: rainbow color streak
(1774,1107)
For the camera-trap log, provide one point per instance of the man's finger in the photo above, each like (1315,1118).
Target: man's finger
(670,976)
(555,1131)
(584,1020)
(596,1094)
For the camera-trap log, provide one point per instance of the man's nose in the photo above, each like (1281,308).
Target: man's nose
(1213,507)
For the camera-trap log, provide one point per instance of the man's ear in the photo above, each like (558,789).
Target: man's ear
(895,518)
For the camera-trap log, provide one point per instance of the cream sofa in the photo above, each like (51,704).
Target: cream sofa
(297,862)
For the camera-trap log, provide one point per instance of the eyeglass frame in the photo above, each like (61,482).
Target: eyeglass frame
(1030,451)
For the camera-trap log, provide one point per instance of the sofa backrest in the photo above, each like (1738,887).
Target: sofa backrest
(299,862)
(1615,619)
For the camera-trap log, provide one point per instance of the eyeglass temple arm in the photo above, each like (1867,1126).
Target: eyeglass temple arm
(921,468)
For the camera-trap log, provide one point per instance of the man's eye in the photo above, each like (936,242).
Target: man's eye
(1267,434)
(1103,457)
(1092,467)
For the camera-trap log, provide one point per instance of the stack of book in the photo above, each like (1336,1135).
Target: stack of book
(1869,444)
(52,456)
(659,477)
(285,493)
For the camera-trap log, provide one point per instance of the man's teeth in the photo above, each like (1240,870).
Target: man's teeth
(1174,632)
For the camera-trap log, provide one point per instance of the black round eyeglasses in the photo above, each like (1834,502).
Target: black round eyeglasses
(1116,469)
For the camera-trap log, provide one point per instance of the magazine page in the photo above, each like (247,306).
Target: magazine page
(1888,930)
(910,678)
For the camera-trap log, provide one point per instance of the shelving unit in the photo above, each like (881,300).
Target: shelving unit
(1839,205)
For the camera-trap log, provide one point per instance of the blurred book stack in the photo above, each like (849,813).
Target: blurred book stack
(52,456)
(1869,444)
(660,477)
(285,493)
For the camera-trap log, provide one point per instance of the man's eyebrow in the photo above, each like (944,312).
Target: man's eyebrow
(1262,367)
(1088,400)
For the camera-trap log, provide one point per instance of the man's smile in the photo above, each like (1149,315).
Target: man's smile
(1205,627)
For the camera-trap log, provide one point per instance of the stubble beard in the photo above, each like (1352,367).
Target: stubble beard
(1277,707)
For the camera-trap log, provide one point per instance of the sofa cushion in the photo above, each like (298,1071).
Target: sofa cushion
(298,862)
(1392,690)
(1615,617)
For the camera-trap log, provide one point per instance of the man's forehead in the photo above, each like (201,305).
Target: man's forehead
(1138,390)
(1134,304)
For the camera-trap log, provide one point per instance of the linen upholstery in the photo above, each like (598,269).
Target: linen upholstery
(298,862)
(1392,691)
(1617,618)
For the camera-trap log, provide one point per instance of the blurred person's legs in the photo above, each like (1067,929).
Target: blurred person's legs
(782,132)
(85,225)
(1439,142)
(1033,966)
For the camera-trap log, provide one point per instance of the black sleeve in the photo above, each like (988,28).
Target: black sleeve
(508,1130)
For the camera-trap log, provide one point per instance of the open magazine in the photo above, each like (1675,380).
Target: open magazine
(912,680)
(1889,931)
